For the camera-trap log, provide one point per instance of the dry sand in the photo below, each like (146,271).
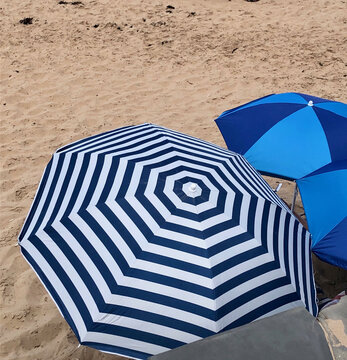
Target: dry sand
(82,69)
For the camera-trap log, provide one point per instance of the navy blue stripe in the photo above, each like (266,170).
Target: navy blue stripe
(63,189)
(312,284)
(229,243)
(77,264)
(78,185)
(246,276)
(177,245)
(93,182)
(263,310)
(199,145)
(52,187)
(253,294)
(153,318)
(286,243)
(178,185)
(295,256)
(91,252)
(109,308)
(135,248)
(104,137)
(137,334)
(257,181)
(117,350)
(121,290)
(65,279)
(261,185)
(37,200)
(80,143)
(110,147)
(51,290)
(276,226)
(236,260)
(110,243)
(305,251)
(175,263)
(178,190)
(167,300)
(140,194)
(109,180)
(264,225)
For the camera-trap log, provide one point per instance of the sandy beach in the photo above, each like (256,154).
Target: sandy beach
(74,69)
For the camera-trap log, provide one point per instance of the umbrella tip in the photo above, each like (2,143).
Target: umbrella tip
(192,187)
(310,103)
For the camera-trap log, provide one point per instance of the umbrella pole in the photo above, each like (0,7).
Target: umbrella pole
(294,196)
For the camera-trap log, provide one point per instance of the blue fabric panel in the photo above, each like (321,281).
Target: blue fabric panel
(293,147)
(324,197)
(336,107)
(285,98)
(256,101)
(242,129)
(314,99)
(333,247)
(335,127)
(333,166)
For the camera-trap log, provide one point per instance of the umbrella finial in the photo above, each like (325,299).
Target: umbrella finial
(192,187)
(310,103)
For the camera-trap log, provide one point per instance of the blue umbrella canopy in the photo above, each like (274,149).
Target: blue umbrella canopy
(324,196)
(288,135)
(148,239)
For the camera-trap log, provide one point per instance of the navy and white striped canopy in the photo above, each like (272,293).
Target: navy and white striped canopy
(148,239)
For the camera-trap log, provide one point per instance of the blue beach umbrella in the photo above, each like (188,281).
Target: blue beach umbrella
(324,196)
(287,135)
(148,239)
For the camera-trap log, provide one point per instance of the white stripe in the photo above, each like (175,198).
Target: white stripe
(309,275)
(116,272)
(241,177)
(58,287)
(249,285)
(110,318)
(253,304)
(282,308)
(100,143)
(199,142)
(224,235)
(291,251)
(300,265)
(270,229)
(43,197)
(153,225)
(169,186)
(140,239)
(56,192)
(241,268)
(281,239)
(144,284)
(233,251)
(149,327)
(262,185)
(71,187)
(121,341)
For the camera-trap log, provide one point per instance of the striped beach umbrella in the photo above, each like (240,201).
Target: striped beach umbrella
(288,135)
(148,239)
